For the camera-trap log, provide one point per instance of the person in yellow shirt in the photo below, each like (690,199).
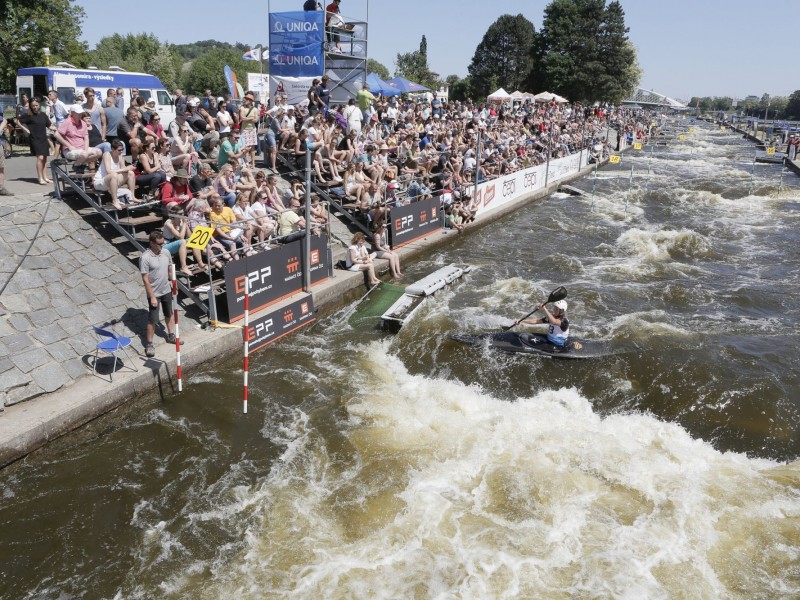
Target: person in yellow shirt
(222,219)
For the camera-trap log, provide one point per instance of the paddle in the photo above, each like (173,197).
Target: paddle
(557,294)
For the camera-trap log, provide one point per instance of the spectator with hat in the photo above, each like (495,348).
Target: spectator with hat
(73,135)
(248,125)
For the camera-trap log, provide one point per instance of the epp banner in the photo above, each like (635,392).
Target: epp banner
(273,326)
(415,220)
(295,43)
(274,275)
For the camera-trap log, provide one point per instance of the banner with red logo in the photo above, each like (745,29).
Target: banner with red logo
(276,324)
(274,275)
(413,221)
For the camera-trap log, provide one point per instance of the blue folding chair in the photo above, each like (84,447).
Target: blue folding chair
(111,343)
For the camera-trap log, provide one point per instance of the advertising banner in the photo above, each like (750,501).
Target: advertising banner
(493,194)
(294,88)
(278,323)
(259,84)
(274,275)
(413,221)
(295,43)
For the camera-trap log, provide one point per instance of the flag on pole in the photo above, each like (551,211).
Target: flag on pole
(253,54)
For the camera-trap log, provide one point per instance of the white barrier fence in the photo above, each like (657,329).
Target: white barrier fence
(499,192)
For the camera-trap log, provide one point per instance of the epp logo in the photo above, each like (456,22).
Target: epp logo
(529,180)
(259,330)
(404,222)
(259,276)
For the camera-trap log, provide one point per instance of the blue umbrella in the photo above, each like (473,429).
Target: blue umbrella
(403,85)
(376,85)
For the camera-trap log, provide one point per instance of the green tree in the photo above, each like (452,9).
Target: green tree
(459,89)
(30,26)
(162,65)
(373,66)
(207,72)
(792,110)
(584,52)
(505,53)
(414,66)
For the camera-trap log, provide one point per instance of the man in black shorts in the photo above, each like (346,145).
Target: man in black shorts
(154,266)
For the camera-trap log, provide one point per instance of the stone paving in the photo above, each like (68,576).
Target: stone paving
(58,276)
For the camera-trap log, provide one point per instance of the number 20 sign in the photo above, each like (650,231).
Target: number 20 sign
(200,237)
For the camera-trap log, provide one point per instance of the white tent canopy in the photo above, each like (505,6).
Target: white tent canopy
(500,94)
(550,97)
(517,95)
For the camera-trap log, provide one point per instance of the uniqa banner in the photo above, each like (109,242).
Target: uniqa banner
(295,43)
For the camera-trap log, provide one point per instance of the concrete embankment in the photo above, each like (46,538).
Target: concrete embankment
(61,276)
(759,137)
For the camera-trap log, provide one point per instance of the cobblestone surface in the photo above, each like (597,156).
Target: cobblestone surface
(54,290)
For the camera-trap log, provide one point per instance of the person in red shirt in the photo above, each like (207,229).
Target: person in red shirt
(176,192)
(332,23)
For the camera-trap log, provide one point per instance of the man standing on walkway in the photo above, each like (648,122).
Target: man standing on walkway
(154,266)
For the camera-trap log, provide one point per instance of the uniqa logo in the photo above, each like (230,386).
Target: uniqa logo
(294,26)
(288,59)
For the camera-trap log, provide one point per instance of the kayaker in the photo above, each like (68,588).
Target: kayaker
(558,329)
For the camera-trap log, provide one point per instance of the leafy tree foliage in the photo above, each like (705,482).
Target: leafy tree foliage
(207,71)
(373,66)
(503,58)
(584,52)
(28,26)
(414,66)
(793,106)
(196,49)
(141,52)
(459,89)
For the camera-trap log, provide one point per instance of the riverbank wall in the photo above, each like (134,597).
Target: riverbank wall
(61,276)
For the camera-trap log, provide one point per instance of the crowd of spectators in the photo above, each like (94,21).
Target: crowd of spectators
(376,152)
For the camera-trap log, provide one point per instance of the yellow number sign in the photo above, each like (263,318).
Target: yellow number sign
(770,150)
(637,146)
(691,129)
(681,137)
(614,159)
(200,237)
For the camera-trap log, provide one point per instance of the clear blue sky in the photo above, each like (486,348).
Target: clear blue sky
(685,47)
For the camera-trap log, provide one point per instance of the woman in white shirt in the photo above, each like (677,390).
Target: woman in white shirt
(114,173)
(359,259)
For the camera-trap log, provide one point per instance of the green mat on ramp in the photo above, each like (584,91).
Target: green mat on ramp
(374,305)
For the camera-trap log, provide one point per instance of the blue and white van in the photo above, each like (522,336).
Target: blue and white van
(68,81)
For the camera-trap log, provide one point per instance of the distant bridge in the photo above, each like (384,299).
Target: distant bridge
(650,99)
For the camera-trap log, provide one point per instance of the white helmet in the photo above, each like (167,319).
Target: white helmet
(562,304)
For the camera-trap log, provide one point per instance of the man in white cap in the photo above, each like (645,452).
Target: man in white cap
(73,135)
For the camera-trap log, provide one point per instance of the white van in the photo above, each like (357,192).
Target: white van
(68,81)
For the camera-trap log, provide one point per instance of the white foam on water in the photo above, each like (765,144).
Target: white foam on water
(660,245)
(441,490)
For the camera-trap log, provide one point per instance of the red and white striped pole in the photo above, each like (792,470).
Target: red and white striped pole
(175,325)
(246,337)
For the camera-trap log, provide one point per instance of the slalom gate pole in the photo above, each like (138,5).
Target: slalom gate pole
(594,185)
(179,368)
(246,333)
